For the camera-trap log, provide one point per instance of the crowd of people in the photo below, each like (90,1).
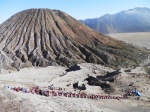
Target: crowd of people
(133,92)
(53,91)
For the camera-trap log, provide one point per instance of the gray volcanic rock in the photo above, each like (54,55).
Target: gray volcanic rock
(43,37)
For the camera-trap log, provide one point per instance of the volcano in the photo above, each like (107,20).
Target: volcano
(44,37)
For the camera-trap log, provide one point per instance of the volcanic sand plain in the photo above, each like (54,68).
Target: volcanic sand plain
(137,38)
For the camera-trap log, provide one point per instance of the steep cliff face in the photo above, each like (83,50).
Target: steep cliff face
(133,20)
(43,37)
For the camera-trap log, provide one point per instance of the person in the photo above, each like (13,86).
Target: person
(9,87)
(134,91)
(25,90)
(28,90)
(41,92)
(139,95)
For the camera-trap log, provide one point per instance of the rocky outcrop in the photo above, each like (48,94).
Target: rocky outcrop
(73,68)
(98,82)
(43,37)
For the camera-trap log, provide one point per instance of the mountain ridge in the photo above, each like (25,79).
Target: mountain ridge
(132,20)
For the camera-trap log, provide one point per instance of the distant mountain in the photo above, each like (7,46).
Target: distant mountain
(132,20)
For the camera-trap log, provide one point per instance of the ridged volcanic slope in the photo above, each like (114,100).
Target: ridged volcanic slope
(45,37)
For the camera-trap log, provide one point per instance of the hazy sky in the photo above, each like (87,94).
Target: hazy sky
(79,9)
